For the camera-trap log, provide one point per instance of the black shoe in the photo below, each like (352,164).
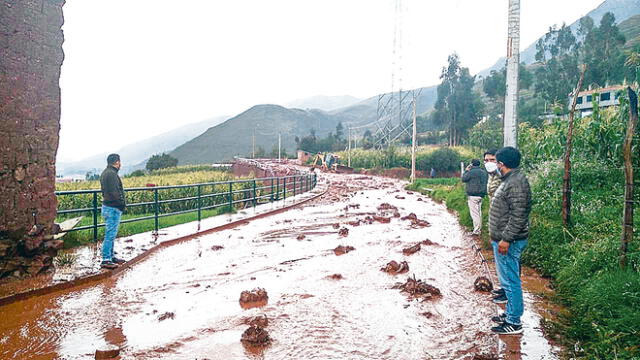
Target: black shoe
(507,329)
(500,299)
(108,265)
(117,261)
(498,291)
(500,318)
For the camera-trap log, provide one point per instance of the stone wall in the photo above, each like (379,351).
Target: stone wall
(30,60)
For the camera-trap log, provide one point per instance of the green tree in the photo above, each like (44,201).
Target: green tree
(458,107)
(603,53)
(161,161)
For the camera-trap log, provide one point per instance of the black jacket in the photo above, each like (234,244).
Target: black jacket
(476,179)
(112,190)
(510,208)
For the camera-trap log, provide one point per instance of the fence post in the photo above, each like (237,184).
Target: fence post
(277,188)
(294,185)
(156,209)
(254,193)
(284,188)
(199,204)
(230,196)
(95,216)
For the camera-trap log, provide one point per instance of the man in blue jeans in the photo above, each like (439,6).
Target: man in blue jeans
(113,205)
(509,230)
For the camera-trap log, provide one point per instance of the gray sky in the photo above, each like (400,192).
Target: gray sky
(138,68)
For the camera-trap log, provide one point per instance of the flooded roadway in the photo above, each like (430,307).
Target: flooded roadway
(183,301)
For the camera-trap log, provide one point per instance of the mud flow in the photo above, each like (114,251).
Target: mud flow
(183,302)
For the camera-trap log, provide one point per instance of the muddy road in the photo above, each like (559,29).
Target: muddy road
(183,302)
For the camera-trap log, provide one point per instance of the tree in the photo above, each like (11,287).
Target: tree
(260,153)
(339,132)
(458,107)
(603,53)
(161,161)
(91,176)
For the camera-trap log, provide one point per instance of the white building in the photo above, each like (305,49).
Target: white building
(607,96)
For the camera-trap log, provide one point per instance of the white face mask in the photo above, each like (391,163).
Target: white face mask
(491,166)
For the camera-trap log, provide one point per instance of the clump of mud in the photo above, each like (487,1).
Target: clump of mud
(255,295)
(483,284)
(411,249)
(354,223)
(343,232)
(258,321)
(418,288)
(394,267)
(341,250)
(217,247)
(167,315)
(415,222)
(336,226)
(387,206)
(381,219)
(255,335)
(300,237)
(335,277)
(399,197)
(428,242)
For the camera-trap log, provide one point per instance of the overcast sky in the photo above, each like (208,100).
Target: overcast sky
(138,68)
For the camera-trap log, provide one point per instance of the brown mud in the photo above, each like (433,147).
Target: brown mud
(311,316)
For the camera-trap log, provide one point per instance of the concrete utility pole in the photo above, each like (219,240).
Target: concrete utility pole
(413,143)
(349,148)
(513,61)
(279,146)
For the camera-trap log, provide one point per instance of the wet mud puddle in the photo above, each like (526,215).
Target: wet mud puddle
(325,296)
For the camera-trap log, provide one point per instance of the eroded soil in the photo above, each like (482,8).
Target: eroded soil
(320,306)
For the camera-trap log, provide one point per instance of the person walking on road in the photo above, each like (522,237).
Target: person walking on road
(509,231)
(476,179)
(113,205)
(491,165)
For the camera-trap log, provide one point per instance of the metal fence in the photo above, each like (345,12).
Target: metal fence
(159,202)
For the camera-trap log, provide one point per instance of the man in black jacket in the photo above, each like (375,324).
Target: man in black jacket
(113,205)
(476,179)
(509,231)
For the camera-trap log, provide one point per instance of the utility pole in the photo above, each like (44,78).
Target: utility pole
(513,62)
(253,144)
(413,143)
(349,148)
(279,146)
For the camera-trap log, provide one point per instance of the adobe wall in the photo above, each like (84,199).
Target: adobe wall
(30,60)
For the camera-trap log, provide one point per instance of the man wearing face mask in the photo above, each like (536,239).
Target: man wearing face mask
(492,168)
(509,230)
(493,183)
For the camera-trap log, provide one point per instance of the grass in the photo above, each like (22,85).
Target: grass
(603,300)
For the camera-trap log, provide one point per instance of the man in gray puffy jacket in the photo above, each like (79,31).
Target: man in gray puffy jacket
(509,231)
(476,179)
(113,205)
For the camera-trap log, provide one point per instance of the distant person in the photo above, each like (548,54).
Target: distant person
(476,179)
(433,173)
(509,231)
(491,165)
(113,205)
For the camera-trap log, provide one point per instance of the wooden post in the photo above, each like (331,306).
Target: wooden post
(566,179)
(627,214)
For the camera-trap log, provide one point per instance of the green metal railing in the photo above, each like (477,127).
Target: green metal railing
(222,194)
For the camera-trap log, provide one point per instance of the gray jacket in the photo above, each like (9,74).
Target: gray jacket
(476,179)
(510,208)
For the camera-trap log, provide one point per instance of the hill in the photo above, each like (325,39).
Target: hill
(135,155)
(234,137)
(621,9)
(322,102)
(631,30)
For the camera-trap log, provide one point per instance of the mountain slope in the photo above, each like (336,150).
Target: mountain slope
(134,154)
(631,30)
(621,9)
(234,137)
(322,102)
